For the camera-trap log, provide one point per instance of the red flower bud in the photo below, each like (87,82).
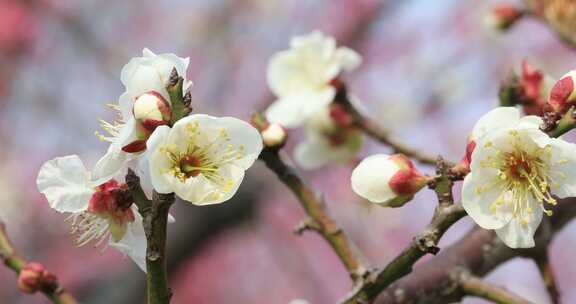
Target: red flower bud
(33,277)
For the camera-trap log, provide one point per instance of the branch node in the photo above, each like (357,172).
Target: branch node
(306,224)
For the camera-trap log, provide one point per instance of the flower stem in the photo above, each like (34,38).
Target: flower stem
(12,260)
(155,220)
(155,226)
(565,124)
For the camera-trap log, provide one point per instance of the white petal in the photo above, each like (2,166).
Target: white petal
(200,191)
(142,169)
(370,179)
(500,117)
(479,194)
(109,165)
(293,110)
(285,74)
(133,244)
(348,58)
(126,102)
(157,161)
(518,235)
(531,121)
(65,183)
(316,151)
(311,155)
(147,53)
(145,78)
(563,168)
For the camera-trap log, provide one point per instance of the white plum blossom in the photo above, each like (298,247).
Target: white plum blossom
(143,107)
(329,138)
(301,77)
(202,158)
(388,180)
(100,210)
(516,170)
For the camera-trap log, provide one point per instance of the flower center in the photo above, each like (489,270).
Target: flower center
(525,175)
(205,153)
(191,166)
(107,215)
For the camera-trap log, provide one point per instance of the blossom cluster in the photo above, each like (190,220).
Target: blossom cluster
(200,158)
(515,172)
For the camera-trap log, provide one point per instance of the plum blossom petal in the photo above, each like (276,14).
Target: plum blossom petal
(133,244)
(66,184)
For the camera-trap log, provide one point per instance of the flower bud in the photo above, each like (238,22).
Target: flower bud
(563,95)
(151,110)
(467,159)
(388,180)
(34,276)
(503,16)
(274,135)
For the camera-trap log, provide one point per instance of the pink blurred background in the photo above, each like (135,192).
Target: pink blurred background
(431,68)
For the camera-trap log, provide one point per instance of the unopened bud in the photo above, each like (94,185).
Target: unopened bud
(33,277)
(563,95)
(151,106)
(503,16)
(274,135)
(467,159)
(389,180)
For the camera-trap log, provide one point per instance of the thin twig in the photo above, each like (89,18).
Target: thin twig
(318,220)
(56,293)
(374,130)
(473,286)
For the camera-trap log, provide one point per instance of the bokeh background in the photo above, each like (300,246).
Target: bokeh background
(431,68)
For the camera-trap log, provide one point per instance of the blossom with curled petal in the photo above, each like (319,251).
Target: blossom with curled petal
(143,107)
(388,180)
(101,211)
(516,172)
(301,77)
(330,138)
(202,158)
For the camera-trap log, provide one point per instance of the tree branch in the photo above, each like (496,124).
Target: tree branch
(318,218)
(53,291)
(547,273)
(478,252)
(473,286)
(155,220)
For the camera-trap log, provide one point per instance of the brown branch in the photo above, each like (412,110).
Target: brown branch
(374,130)
(318,218)
(478,252)
(155,220)
(473,286)
(56,293)
(547,273)
(446,214)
